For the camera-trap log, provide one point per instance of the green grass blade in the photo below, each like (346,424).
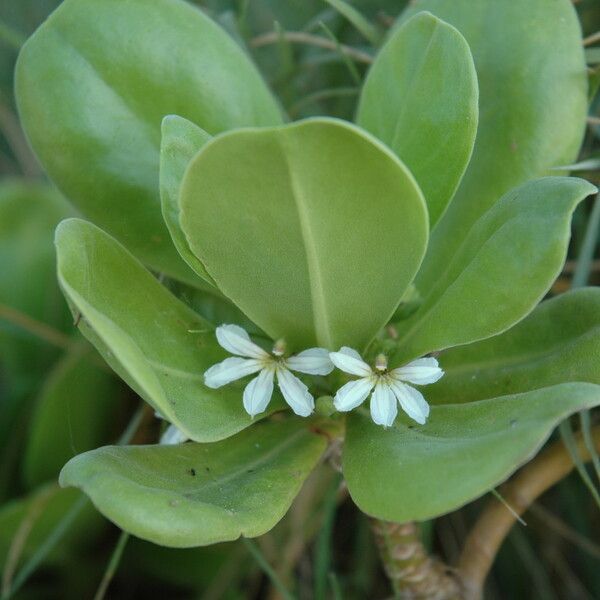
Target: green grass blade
(566,431)
(112,566)
(360,23)
(324,542)
(267,569)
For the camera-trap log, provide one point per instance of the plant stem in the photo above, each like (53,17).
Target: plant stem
(412,572)
(268,570)
(592,39)
(113,564)
(495,522)
(299,37)
(37,328)
(46,547)
(65,523)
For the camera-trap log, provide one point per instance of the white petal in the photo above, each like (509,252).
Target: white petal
(420,371)
(230,370)
(173,435)
(349,360)
(235,340)
(258,392)
(296,394)
(384,407)
(314,361)
(352,394)
(412,402)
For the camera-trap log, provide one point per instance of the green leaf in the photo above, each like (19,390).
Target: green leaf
(180,141)
(501,271)
(420,98)
(28,215)
(75,412)
(408,473)
(557,343)
(199,494)
(93,85)
(156,343)
(44,508)
(313,229)
(526,55)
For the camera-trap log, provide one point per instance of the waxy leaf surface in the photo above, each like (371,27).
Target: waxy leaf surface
(533,104)
(503,268)
(558,342)
(93,85)
(180,141)
(156,343)
(314,229)
(408,473)
(199,494)
(420,98)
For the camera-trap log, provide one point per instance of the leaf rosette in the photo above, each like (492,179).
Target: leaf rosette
(317,233)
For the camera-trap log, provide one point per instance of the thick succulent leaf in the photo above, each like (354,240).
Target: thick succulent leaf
(199,494)
(501,271)
(75,412)
(180,141)
(558,342)
(155,342)
(408,473)
(313,229)
(533,104)
(420,98)
(93,85)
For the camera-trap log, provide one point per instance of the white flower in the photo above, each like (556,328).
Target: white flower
(314,361)
(172,436)
(389,386)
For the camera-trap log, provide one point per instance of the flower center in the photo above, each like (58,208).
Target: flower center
(279,348)
(381,363)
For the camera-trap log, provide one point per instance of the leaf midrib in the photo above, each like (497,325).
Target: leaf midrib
(322,328)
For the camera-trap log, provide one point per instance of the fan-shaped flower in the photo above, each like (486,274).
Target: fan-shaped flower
(388,386)
(251,358)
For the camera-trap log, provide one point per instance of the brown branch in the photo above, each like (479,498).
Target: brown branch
(494,524)
(299,37)
(17,545)
(37,328)
(592,39)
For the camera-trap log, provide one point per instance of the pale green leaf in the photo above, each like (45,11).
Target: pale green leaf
(155,342)
(503,268)
(527,55)
(408,473)
(420,98)
(93,85)
(180,141)
(313,229)
(199,494)
(557,343)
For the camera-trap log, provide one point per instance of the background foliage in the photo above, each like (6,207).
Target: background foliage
(47,370)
